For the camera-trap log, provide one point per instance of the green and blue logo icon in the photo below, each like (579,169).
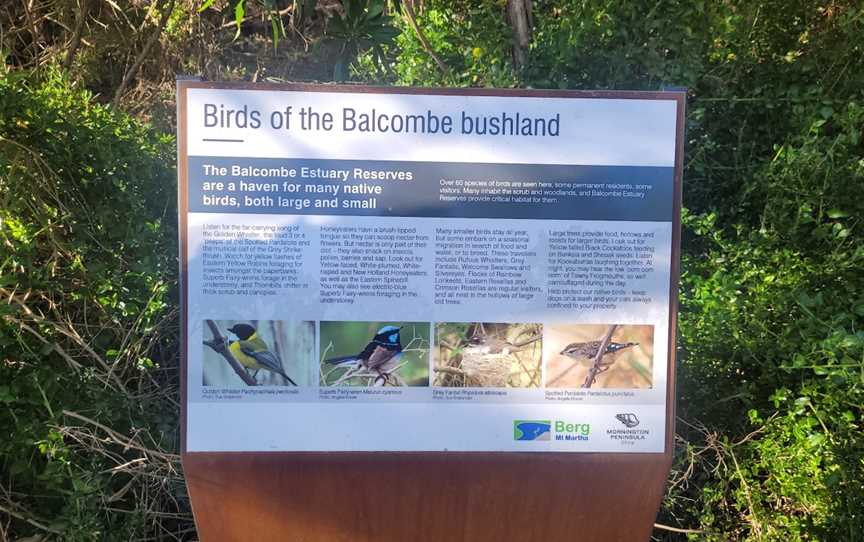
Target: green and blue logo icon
(532,430)
(543,430)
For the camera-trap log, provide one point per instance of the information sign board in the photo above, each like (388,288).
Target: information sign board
(418,270)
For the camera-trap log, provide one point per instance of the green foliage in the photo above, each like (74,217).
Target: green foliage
(771,345)
(363,26)
(771,339)
(472,39)
(772,342)
(267,7)
(616,44)
(87,323)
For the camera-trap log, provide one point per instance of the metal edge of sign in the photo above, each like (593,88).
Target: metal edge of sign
(182,227)
(675,274)
(434,91)
(677,95)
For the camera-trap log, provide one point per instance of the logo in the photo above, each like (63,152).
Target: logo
(544,430)
(572,431)
(631,435)
(629,419)
(532,430)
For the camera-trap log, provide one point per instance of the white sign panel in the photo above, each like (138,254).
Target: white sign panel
(419,270)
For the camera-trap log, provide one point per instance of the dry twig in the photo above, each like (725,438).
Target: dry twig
(133,70)
(83,12)
(39,524)
(671,529)
(596,364)
(412,20)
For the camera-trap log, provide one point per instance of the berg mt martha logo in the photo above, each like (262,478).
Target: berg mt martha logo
(572,431)
(628,418)
(532,430)
(542,430)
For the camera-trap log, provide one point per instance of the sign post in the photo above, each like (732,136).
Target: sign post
(427,314)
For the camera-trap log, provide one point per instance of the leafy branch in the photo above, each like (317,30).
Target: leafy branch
(363,26)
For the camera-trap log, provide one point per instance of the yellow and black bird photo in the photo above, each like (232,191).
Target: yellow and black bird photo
(258,353)
(573,359)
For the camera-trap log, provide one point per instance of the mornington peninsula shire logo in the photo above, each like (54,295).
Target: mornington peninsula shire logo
(631,433)
(629,419)
(532,430)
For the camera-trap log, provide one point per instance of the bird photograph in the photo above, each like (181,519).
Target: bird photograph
(258,352)
(374,353)
(488,355)
(574,359)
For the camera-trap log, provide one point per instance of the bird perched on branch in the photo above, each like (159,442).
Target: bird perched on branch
(485,344)
(480,342)
(381,353)
(588,350)
(252,352)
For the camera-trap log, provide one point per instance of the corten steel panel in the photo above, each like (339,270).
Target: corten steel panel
(425,497)
(436,496)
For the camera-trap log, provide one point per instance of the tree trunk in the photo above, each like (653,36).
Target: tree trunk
(519,13)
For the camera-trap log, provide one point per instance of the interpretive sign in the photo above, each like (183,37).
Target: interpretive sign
(397,269)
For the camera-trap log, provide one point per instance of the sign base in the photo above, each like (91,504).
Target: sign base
(425,497)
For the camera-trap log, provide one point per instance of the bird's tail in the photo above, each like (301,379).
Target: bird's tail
(342,360)
(616,347)
(288,378)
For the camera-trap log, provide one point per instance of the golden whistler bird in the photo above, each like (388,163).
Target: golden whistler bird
(253,353)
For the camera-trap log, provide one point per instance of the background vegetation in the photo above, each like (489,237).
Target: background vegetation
(771,345)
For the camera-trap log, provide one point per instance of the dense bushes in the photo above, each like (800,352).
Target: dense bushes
(771,347)
(771,343)
(88,329)
(772,350)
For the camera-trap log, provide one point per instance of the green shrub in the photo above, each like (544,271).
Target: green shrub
(88,316)
(772,349)
(770,345)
